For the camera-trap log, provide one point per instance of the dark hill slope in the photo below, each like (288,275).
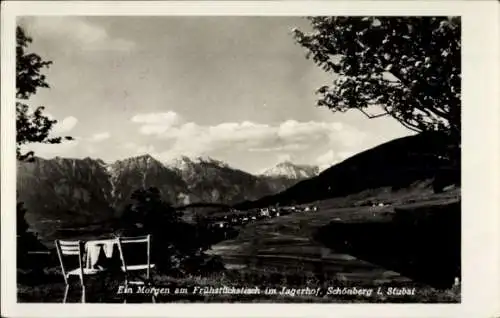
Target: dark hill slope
(397,164)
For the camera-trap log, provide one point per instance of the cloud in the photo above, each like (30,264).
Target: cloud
(331,158)
(77,32)
(287,147)
(167,118)
(98,137)
(327,160)
(293,128)
(345,154)
(136,149)
(284,157)
(156,123)
(90,149)
(51,150)
(192,139)
(65,125)
(129,145)
(148,149)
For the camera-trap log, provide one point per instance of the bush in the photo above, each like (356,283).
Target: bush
(176,245)
(27,242)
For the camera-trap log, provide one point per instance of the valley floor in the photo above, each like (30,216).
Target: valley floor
(275,253)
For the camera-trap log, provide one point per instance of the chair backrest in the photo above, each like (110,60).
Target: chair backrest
(70,248)
(145,240)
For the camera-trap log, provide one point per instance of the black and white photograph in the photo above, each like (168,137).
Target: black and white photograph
(238,159)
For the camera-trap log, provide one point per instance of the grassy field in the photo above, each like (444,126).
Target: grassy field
(292,243)
(105,289)
(280,252)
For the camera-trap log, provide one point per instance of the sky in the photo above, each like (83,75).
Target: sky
(236,89)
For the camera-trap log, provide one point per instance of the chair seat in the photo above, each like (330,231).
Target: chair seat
(136,282)
(138,267)
(86,271)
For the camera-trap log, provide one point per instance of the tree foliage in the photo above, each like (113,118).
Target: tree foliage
(26,241)
(32,126)
(175,243)
(408,66)
(148,211)
(21,224)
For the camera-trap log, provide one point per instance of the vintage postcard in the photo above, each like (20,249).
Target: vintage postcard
(278,158)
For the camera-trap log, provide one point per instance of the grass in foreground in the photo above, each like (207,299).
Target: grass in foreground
(104,289)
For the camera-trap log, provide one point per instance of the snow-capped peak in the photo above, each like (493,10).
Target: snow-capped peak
(184,162)
(291,171)
(181,163)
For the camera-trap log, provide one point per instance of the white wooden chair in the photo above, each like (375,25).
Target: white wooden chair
(132,271)
(73,248)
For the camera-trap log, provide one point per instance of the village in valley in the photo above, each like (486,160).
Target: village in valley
(238,218)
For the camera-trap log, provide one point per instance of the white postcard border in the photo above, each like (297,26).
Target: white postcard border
(481,157)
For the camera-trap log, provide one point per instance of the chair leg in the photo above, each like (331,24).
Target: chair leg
(125,294)
(153,297)
(66,293)
(83,294)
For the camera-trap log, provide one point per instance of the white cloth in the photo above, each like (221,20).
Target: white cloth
(93,250)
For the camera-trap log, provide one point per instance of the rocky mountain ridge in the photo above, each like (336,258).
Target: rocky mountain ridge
(89,190)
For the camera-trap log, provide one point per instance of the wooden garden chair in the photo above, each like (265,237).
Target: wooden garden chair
(133,271)
(71,249)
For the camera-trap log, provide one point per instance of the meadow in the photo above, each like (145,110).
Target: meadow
(346,243)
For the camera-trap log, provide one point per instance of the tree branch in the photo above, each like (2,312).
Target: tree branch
(373,116)
(409,126)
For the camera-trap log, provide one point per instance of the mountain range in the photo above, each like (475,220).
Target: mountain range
(64,192)
(82,191)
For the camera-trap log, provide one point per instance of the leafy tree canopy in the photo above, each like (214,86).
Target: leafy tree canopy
(32,126)
(149,210)
(408,66)
(21,224)
(176,244)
